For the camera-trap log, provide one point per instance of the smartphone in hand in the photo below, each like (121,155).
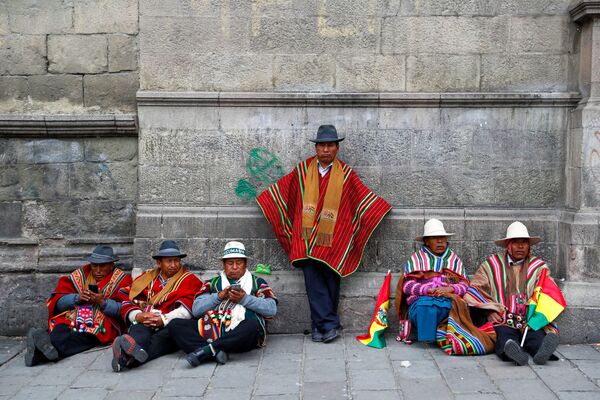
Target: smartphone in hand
(237,287)
(93,288)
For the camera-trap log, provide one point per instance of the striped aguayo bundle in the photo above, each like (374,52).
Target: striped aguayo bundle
(423,261)
(359,214)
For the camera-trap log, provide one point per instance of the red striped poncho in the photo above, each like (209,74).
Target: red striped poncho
(104,327)
(359,214)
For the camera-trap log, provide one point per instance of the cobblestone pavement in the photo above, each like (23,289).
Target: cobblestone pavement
(293,367)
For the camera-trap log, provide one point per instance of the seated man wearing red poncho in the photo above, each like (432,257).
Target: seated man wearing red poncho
(323,216)
(502,286)
(84,310)
(155,298)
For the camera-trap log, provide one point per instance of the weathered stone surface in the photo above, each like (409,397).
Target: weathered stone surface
(524,72)
(314,73)
(13,88)
(401,35)
(110,149)
(103,181)
(49,88)
(40,17)
(11,219)
(110,91)
(482,7)
(368,73)
(43,181)
(77,53)
(106,16)
(47,151)
(122,53)
(442,73)
(173,185)
(22,54)
(540,34)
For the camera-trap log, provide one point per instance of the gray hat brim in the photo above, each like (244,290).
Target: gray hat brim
(169,253)
(95,259)
(327,140)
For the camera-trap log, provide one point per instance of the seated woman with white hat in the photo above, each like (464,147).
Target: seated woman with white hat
(231,308)
(503,285)
(429,297)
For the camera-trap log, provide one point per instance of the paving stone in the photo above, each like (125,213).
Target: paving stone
(182,369)
(325,370)
(277,344)
(219,394)
(9,385)
(416,351)
(478,396)
(139,380)
(560,378)
(468,380)
(427,388)
(579,352)
(373,380)
(185,387)
(589,368)
(54,373)
(105,379)
(333,349)
(267,384)
(578,395)
(325,390)
(87,393)
(417,370)
(39,392)
(130,395)
(515,389)
(231,376)
(281,365)
(9,348)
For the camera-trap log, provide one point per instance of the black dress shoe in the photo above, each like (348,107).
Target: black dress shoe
(41,341)
(32,355)
(515,352)
(330,335)
(221,357)
(316,336)
(549,344)
(197,357)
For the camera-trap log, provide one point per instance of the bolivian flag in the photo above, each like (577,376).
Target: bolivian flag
(546,303)
(375,337)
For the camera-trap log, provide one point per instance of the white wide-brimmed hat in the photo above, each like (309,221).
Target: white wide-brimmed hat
(517,230)
(433,227)
(234,250)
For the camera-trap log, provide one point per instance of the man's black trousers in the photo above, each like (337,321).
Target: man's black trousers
(323,291)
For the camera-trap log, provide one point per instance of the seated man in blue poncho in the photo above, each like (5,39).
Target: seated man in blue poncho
(231,308)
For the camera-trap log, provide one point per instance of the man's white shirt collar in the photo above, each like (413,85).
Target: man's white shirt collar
(325,170)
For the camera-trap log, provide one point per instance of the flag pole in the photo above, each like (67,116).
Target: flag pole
(524,335)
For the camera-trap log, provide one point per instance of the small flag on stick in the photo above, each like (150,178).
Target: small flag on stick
(546,303)
(375,337)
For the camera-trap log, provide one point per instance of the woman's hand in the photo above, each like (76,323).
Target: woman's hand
(495,317)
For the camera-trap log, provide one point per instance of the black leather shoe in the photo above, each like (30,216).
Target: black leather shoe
(197,357)
(221,357)
(549,344)
(316,336)
(330,335)
(41,341)
(515,352)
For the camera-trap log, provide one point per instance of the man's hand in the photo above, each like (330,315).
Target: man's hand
(87,296)
(495,317)
(224,294)
(149,319)
(236,295)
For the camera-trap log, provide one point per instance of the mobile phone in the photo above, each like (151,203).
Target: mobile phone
(93,288)
(236,286)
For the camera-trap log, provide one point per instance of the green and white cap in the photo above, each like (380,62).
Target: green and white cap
(234,250)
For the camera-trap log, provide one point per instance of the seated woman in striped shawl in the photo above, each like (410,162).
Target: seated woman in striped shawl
(429,297)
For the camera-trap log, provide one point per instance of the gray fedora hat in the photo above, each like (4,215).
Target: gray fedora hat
(327,133)
(101,255)
(169,248)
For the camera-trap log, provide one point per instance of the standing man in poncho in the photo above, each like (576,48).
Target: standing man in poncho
(323,216)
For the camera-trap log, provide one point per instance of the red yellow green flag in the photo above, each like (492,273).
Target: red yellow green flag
(375,337)
(546,303)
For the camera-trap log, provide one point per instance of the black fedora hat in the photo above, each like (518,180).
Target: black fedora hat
(101,255)
(169,248)
(327,133)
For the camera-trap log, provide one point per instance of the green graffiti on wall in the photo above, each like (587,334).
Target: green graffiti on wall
(264,168)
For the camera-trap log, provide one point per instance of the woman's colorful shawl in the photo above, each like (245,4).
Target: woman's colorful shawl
(182,292)
(457,335)
(212,324)
(92,319)
(488,288)
(360,212)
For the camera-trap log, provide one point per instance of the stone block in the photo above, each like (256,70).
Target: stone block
(533,72)
(448,7)
(110,149)
(13,88)
(47,151)
(410,118)
(311,73)
(8,151)
(40,17)
(77,54)
(377,73)
(168,185)
(439,73)
(23,54)
(533,7)
(539,34)
(43,181)
(110,91)
(50,88)
(103,181)
(11,219)
(514,187)
(154,120)
(73,218)
(449,35)
(396,152)
(122,53)
(108,16)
